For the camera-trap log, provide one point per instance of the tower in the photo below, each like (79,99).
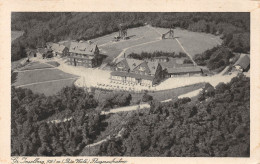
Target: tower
(122,31)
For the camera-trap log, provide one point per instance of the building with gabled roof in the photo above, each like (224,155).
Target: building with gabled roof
(59,50)
(135,71)
(243,63)
(84,53)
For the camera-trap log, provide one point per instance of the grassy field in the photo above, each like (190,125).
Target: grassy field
(193,42)
(36,77)
(167,45)
(35,65)
(50,88)
(40,76)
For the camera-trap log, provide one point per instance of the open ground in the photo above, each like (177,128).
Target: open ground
(41,75)
(148,39)
(43,78)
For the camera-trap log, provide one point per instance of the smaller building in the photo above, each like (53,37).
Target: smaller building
(160,59)
(31,53)
(44,52)
(243,63)
(184,71)
(59,50)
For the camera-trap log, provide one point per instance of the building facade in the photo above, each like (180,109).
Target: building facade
(84,54)
(137,72)
(184,71)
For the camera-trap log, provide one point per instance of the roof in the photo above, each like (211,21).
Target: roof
(153,66)
(243,61)
(133,63)
(83,48)
(43,50)
(184,70)
(57,47)
(66,43)
(133,75)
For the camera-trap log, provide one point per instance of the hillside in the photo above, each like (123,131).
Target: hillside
(44,27)
(217,124)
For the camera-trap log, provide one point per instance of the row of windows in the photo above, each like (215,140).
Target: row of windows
(137,72)
(130,79)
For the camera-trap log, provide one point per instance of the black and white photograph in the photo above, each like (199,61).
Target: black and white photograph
(130,84)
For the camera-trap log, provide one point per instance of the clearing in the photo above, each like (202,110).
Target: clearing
(148,39)
(43,78)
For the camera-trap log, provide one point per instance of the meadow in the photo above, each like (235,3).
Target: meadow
(148,39)
(42,78)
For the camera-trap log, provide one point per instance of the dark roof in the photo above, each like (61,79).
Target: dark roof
(133,63)
(83,47)
(184,70)
(153,67)
(133,75)
(243,61)
(58,47)
(44,50)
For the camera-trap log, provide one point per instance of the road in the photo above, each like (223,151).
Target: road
(124,50)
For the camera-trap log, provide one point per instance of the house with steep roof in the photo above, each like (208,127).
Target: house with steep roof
(243,63)
(133,71)
(59,50)
(44,52)
(84,54)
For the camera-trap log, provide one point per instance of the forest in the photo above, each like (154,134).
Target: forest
(216,59)
(216,124)
(41,27)
(148,55)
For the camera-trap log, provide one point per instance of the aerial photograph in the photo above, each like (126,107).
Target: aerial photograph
(131,84)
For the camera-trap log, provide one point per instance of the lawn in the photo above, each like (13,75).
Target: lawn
(193,42)
(50,88)
(35,65)
(167,45)
(40,76)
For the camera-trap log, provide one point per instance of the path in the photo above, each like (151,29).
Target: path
(119,134)
(111,42)
(224,70)
(122,53)
(195,64)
